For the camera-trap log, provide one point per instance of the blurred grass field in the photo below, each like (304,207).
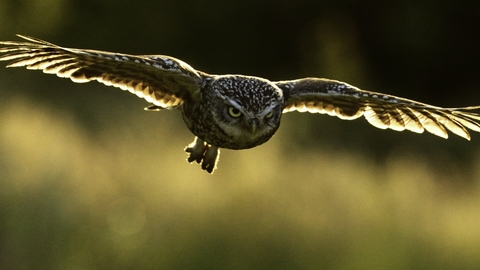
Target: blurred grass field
(124,198)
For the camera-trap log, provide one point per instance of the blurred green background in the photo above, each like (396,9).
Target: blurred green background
(91,181)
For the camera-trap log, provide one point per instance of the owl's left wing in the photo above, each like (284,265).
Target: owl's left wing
(383,111)
(161,80)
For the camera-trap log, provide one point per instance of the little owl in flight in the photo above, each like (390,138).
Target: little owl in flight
(233,111)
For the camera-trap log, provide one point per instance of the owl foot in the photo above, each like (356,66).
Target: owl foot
(200,150)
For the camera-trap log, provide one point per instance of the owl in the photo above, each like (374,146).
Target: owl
(233,111)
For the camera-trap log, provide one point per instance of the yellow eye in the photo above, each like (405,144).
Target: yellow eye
(234,112)
(269,115)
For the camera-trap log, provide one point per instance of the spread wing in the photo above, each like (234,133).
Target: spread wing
(382,111)
(161,80)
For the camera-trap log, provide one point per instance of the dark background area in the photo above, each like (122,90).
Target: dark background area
(91,181)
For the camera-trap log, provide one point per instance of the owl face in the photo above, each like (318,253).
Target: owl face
(248,109)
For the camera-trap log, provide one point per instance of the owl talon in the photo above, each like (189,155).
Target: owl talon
(201,152)
(197,150)
(210,159)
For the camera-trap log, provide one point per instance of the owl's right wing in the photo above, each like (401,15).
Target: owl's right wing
(161,80)
(383,111)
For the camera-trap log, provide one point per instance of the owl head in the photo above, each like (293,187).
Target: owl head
(248,109)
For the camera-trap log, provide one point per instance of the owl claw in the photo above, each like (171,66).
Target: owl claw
(197,150)
(201,152)
(210,159)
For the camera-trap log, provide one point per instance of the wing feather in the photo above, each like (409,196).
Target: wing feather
(161,80)
(380,110)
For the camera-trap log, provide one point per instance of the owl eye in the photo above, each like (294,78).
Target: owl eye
(234,112)
(269,115)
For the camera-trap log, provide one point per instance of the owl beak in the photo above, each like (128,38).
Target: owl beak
(253,126)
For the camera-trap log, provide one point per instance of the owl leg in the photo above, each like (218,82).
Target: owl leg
(197,150)
(210,159)
(200,151)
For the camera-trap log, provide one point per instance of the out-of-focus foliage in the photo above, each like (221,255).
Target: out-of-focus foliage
(91,181)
